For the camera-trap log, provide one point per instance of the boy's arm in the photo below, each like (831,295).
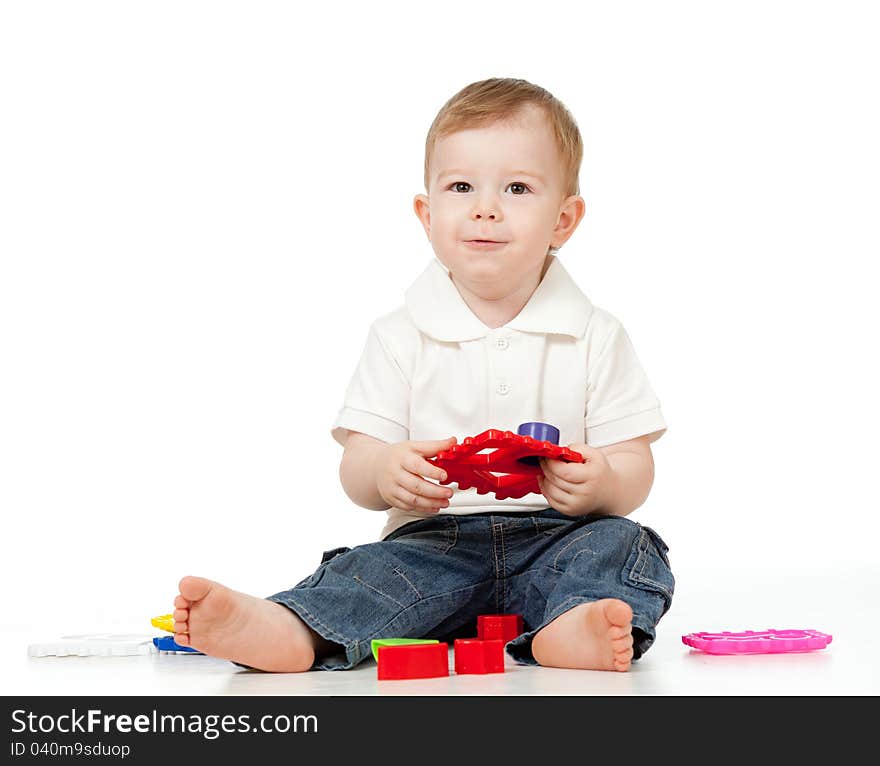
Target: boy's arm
(615,479)
(632,467)
(357,471)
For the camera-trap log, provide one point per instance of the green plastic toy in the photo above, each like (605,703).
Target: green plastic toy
(377,642)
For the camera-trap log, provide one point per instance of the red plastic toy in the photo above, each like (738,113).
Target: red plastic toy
(473,655)
(509,471)
(413,661)
(503,626)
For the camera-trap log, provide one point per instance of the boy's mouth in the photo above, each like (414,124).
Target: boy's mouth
(484,243)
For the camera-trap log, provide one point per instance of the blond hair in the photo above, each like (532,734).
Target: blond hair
(503,98)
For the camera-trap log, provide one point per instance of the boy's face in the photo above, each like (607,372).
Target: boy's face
(501,183)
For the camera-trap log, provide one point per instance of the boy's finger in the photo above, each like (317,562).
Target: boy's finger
(412,502)
(420,466)
(429,504)
(431,448)
(556,492)
(404,499)
(560,484)
(559,470)
(547,489)
(429,490)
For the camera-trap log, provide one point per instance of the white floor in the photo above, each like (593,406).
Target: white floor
(843,604)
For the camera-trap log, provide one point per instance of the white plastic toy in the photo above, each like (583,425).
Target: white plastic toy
(95,645)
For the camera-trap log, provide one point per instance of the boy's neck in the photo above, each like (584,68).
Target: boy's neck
(498,312)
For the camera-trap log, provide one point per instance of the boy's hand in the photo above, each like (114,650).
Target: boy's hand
(399,471)
(577,489)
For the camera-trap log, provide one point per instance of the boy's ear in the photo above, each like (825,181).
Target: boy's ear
(422,206)
(570,215)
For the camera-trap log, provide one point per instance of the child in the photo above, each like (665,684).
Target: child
(493,333)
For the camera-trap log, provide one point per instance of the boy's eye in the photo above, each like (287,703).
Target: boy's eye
(513,186)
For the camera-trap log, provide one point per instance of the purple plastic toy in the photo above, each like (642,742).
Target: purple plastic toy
(758,641)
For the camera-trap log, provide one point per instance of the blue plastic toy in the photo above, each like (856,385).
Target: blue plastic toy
(168,644)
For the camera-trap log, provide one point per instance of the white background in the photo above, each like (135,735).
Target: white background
(204,205)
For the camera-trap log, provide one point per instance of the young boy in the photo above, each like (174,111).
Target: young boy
(494,333)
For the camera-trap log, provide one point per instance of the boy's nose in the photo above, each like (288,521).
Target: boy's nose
(484,211)
(486,206)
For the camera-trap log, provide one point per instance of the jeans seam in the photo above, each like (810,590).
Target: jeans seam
(495,557)
(566,547)
(658,586)
(451,532)
(454,525)
(637,574)
(398,571)
(504,571)
(357,578)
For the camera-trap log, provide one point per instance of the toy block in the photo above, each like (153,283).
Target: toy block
(503,626)
(377,642)
(163,622)
(413,661)
(94,645)
(541,432)
(511,469)
(168,644)
(473,655)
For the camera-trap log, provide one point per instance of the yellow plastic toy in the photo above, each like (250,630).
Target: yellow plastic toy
(163,622)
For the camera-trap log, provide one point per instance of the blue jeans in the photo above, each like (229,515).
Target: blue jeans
(433,577)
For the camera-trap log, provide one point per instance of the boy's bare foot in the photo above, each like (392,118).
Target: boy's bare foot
(235,626)
(592,636)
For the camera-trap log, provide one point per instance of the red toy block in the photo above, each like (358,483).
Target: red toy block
(473,655)
(506,471)
(413,661)
(503,626)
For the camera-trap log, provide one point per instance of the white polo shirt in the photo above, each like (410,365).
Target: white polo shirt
(431,369)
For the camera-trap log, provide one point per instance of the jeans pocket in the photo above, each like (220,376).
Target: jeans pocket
(547,527)
(439,532)
(331,554)
(662,547)
(326,558)
(648,565)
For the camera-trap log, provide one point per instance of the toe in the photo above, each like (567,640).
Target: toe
(181,603)
(194,588)
(181,615)
(622,660)
(182,639)
(622,644)
(181,627)
(618,612)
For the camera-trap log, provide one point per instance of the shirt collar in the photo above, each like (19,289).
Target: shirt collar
(438,310)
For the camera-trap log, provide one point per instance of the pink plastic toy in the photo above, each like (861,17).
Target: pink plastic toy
(758,641)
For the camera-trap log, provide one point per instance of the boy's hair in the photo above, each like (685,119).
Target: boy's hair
(502,98)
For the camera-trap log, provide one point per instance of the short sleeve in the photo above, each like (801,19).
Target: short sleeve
(377,398)
(621,404)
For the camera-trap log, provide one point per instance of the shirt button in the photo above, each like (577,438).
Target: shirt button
(503,389)
(501,344)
